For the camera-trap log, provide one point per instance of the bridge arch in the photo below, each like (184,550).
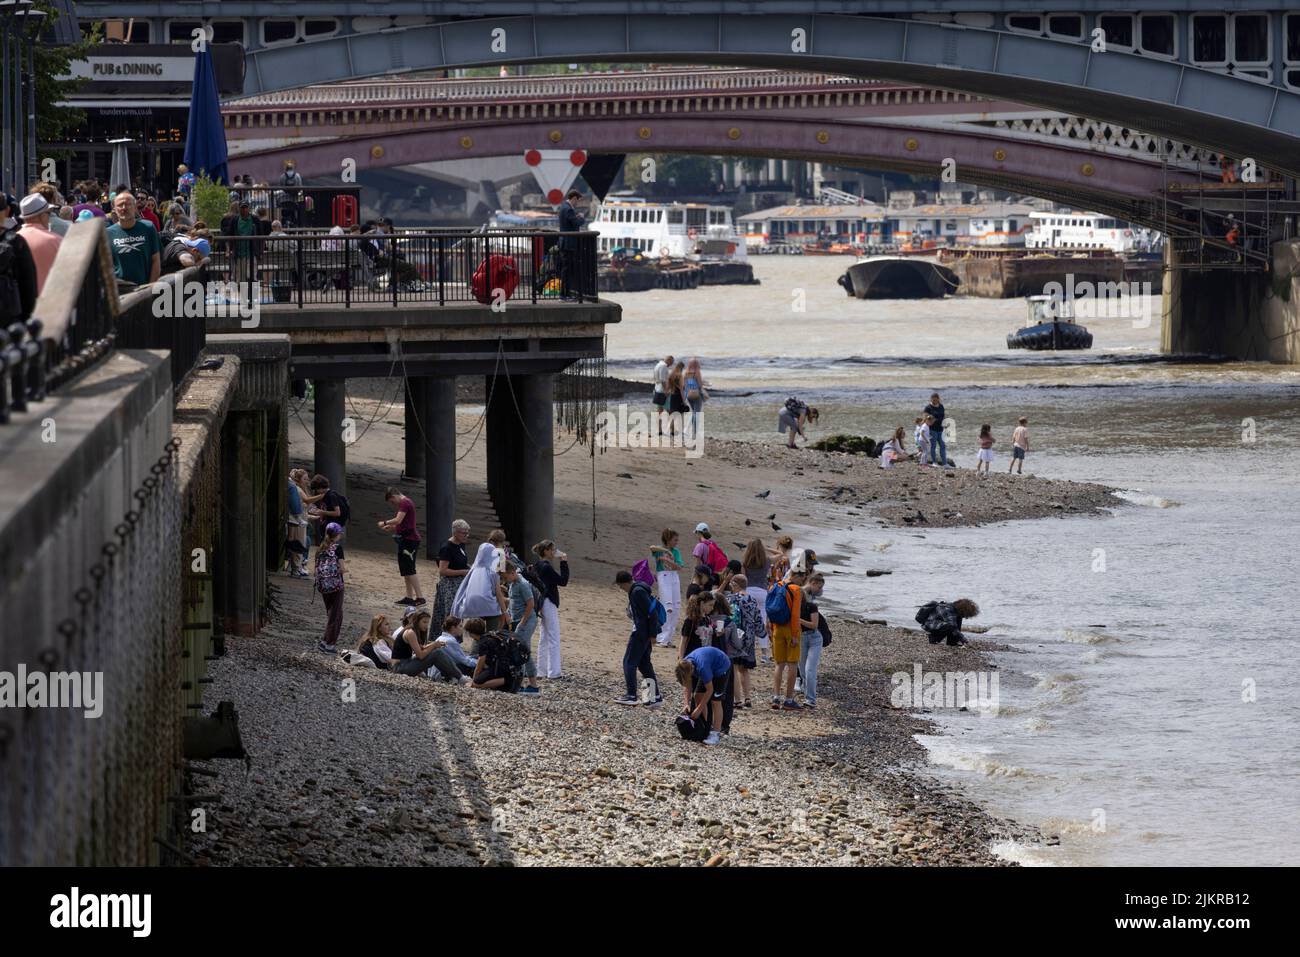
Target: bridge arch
(1073,175)
(1193,104)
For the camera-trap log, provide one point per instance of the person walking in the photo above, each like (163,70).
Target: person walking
(677,404)
(645,625)
(938,450)
(35,212)
(407,535)
(663,368)
(330,571)
(453,565)
(1019,446)
(695,394)
(548,645)
(136,249)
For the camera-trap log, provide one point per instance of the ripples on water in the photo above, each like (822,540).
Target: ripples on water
(1130,710)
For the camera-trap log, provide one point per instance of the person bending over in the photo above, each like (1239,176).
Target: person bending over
(704,675)
(942,620)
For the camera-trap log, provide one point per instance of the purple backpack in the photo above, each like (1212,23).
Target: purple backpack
(329,577)
(641,573)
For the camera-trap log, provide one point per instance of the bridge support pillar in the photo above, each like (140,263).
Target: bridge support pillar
(415,427)
(536,473)
(1241,315)
(504,436)
(438,417)
(327,427)
(244,490)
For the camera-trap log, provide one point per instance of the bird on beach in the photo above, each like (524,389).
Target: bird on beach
(748,522)
(763,494)
(772,516)
(776,527)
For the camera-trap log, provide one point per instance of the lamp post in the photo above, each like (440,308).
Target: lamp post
(33,16)
(7,8)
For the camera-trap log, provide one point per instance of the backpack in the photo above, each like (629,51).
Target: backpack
(345,508)
(693,729)
(11,301)
(509,660)
(641,573)
(749,620)
(658,612)
(529,573)
(717,558)
(329,577)
(779,606)
(692,388)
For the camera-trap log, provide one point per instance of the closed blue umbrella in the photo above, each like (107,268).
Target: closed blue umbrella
(205,139)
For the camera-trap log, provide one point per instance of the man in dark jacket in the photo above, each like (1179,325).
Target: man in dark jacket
(571,221)
(645,626)
(17,267)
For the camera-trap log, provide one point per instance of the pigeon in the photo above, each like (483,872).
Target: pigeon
(772,516)
(748,522)
(776,527)
(740,545)
(763,494)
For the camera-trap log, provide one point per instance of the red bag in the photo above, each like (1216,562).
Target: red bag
(495,272)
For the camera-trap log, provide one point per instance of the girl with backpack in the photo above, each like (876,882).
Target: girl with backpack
(330,569)
(695,393)
(750,625)
(706,550)
(668,564)
(524,599)
(548,644)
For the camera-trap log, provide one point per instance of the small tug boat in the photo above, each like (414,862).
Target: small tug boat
(1053,327)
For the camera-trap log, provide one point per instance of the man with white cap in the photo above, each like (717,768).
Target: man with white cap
(35,211)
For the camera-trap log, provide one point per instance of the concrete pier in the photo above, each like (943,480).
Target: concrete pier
(414,459)
(439,423)
(1241,315)
(327,428)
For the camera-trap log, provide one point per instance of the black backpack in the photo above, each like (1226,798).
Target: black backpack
(508,660)
(539,590)
(694,729)
(345,508)
(11,300)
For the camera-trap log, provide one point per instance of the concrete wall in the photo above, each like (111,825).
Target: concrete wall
(1241,315)
(79,790)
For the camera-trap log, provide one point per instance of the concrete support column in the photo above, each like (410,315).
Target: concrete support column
(327,427)
(243,541)
(1225,312)
(503,439)
(414,426)
(438,416)
(536,472)
(277,446)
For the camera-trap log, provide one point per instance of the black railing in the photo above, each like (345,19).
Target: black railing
(426,266)
(80,318)
(312,207)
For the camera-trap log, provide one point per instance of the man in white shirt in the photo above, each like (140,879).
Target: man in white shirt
(660,397)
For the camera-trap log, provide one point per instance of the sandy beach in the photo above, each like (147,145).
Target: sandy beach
(414,771)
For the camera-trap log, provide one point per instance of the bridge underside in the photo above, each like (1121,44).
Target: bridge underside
(1184,102)
(1078,177)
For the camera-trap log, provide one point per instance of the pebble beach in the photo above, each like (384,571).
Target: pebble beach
(356,766)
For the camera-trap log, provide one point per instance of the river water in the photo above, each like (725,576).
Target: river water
(1148,713)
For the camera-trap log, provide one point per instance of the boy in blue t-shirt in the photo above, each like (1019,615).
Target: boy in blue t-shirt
(704,674)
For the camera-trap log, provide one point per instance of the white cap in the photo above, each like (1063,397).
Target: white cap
(702,527)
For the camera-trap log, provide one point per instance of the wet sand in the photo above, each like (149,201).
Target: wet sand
(413,771)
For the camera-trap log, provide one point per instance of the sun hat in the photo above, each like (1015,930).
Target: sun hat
(33,205)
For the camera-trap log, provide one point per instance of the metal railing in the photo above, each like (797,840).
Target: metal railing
(311,207)
(433,266)
(80,318)
(496,89)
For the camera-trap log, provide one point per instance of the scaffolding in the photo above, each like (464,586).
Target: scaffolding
(1213,220)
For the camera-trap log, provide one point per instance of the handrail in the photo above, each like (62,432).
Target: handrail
(383,91)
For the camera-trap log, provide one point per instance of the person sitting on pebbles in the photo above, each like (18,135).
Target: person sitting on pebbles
(942,620)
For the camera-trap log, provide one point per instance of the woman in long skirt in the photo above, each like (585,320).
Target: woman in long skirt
(453,566)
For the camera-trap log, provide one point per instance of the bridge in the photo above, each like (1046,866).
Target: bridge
(768,113)
(1228,81)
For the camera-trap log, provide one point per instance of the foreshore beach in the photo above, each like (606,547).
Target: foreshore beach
(395,769)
